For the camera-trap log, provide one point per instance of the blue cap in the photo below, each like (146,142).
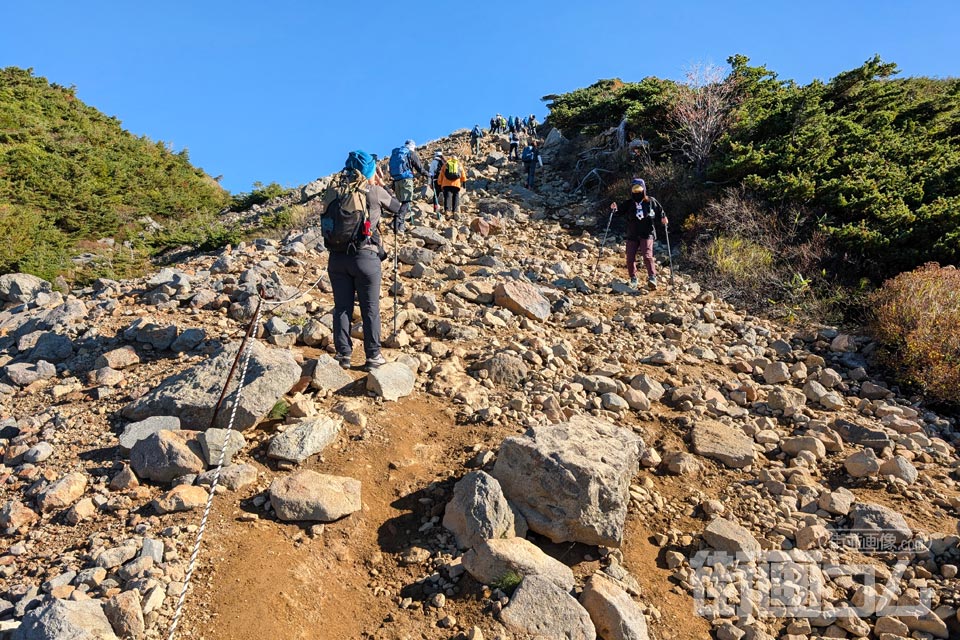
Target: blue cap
(362,162)
(639,181)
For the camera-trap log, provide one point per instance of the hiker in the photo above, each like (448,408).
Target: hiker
(503,124)
(453,177)
(350,225)
(516,124)
(514,146)
(493,124)
(433,171)
(531,158)
(510,124)
(532,129)
(475,136)
(404,163)
(641,210)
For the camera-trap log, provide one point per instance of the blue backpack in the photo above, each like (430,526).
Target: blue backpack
(527,155)
(400,168)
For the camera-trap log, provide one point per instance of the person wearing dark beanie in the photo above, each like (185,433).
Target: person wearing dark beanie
(641,210)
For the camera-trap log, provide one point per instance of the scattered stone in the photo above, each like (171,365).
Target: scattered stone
(497,560)
(613,612)
(214,442)
(308,495)
(479,511)
(136,431)
(63,493)
(183,497)
(233,477)
(14,516)
(328,375)
(66,620)
(729,445)
(166,455)
(726,535)
(391,381)
(541,609)
(862,464)
(900,468)
(308,437)
(523,299)
(125,614)
(876,519)
(505,369)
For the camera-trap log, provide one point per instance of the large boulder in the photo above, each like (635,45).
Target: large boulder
(506,369)
(304,439)
(310,496)
(729,445)
(876,520)
(192,394)
(21,287)
(541,609)
(571,481)
(499,560)
(66,620)
(479,511)
(523,299)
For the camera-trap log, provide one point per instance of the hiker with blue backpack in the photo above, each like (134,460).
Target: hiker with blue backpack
(352,209)
(531,158)
(475,136)
(404,164)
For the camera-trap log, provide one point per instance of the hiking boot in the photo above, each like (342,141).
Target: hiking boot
(374,362)
(633,283)
(344,361)
(652,283)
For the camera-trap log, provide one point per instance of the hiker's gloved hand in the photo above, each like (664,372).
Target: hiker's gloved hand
(613,207)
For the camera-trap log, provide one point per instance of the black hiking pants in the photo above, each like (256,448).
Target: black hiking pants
(355,277)
(451,199)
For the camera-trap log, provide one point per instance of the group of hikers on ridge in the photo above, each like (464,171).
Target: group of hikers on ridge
(530,156)
(354,205)
(514,124)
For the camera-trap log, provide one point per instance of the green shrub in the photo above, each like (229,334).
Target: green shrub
(917,320)
(279,411)
(739,259)
(261,193)
(508,582)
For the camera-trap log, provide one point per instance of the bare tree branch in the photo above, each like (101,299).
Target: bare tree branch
(702,112)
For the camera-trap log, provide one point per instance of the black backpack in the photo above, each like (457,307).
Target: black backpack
(344,223)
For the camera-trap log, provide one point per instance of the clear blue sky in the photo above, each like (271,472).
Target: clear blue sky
(281,91)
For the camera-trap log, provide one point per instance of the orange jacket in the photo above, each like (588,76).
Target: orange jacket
(444,181)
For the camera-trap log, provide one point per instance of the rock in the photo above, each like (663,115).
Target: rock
(648,386)
(38,453)
(876,439)
(66,620)
(843,342)
(837,502)
(125,614)
(164,456)
(793,446)
(328,375)
(613,612)
(314,332)
(20,288)
(571,480)
(136,431)
(52,347)
(873,391)
(83,510)
(304,439)
(876,519)
(497,560)
(636,399)
(862,464)
(212,443)
(192,395)
(188,340)
(682,463)
(505,369)
(308,495)
(812,536)
(523,299)
(14,516)
(479,511)
(391,381)
(900,468)
(726,535)
(541,609)
(234,477)
(785,399)
(411,255)
(145,331)
(499,208)
(729,445)
(63,493)
(776,373)
(184,497)
(922,620)
(24,374)
(118,358)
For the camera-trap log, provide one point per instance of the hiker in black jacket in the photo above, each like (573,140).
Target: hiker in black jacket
(641,210)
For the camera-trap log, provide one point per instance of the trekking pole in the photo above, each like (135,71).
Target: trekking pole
(602,244)
(396,282)
(666,232)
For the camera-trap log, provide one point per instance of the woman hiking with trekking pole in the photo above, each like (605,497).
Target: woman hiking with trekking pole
(641,211)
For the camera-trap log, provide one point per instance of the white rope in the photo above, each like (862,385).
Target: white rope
(216,478)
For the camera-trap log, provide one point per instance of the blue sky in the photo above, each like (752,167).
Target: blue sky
(281,91)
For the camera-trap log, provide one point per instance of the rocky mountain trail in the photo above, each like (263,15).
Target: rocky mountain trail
(545,447)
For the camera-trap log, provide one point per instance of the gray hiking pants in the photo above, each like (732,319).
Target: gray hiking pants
(355,276)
